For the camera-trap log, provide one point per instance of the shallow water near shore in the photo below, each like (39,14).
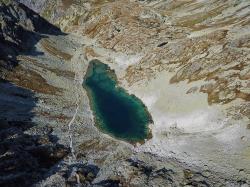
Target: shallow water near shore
(116,112)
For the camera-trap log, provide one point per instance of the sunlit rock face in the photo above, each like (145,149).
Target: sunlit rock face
(37,6)
(186,60)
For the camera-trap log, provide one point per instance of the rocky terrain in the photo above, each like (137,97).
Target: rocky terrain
(187,60)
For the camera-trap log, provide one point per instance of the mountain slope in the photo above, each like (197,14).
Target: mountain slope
(188,61)
(28,148)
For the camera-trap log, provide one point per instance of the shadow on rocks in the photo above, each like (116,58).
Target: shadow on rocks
(20,30)
(27,151)
(26,155)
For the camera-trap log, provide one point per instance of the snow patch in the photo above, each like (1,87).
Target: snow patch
(193,122)
(149,100)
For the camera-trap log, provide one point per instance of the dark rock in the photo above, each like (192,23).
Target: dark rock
(109,183)
(84,174)
(142,166)
(196,179)
(167,174)
(162,44)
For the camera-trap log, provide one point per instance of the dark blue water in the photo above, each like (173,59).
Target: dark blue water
(116,112)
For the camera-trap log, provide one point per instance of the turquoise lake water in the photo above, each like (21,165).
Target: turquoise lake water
(116,112)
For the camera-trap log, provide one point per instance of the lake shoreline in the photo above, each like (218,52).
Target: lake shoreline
(98,122)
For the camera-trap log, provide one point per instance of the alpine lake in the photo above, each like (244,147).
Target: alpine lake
(117,113)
